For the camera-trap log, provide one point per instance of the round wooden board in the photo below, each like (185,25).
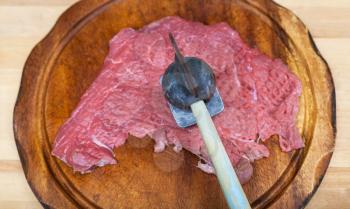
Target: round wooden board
(63,65)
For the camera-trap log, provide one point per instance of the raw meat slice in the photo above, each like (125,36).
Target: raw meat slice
(260,97)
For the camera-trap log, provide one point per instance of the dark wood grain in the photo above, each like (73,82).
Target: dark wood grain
(62,66)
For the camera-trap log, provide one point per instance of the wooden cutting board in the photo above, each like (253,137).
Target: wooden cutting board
(63,65)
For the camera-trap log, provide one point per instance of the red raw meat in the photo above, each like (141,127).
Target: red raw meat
(260,97)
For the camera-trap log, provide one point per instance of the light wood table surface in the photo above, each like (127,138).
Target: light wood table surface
(23,23)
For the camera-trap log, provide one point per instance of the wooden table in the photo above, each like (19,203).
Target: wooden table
(25,22)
